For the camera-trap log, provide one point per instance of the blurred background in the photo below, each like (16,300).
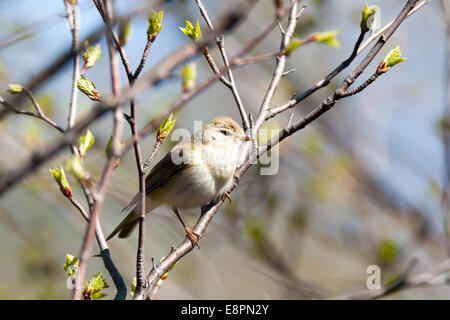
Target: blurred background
(361,186)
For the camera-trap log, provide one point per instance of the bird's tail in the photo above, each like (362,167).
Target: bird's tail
(126,226)
(132,219)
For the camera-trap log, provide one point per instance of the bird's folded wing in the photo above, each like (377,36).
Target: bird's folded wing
(162,172)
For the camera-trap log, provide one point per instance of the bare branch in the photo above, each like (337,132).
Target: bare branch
(41,116)
(213,65)
(237,98)
(144,57)
(34,102)
(205,50)
(73,19)
(279,68)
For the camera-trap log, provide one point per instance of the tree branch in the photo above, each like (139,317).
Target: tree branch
(73,19)
(357,49)
(279,68)
(41,116)
(109,167)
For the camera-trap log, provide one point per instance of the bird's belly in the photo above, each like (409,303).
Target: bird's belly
(193,189)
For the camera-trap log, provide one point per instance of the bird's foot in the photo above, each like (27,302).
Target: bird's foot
(193,236)
(226,195)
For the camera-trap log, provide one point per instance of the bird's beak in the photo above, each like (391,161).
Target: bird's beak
(243,138)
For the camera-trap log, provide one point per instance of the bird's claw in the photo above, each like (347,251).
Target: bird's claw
(226,195)
(193,236)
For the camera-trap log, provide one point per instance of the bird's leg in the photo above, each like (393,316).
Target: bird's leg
(190,234)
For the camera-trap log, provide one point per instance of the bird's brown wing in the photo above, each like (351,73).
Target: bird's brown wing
(162,172)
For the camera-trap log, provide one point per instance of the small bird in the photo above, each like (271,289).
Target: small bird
(193,173)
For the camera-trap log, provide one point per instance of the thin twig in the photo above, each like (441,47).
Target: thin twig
(205,50)
(34,102)
(152,155)
(80,208)
(144,57)
(43,117)
(237,98)
(365,84)
(109,167)
(273,111)
(140,257)
(213,65)
(279,68)
(73,19)
(231,83)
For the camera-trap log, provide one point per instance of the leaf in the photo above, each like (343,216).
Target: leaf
(91,55)
(98,295)
(195,33)
(393,57)
(85,142)
(366,14)
(75,167)
(154,23)
(87,87)
(166,127)
(61,180)
(125,28)
(189,73)
(97,283)
(71,264)
(94,286)
(328,37)
(14,88)
(293,45)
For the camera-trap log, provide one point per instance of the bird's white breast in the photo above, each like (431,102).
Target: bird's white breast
(209,174)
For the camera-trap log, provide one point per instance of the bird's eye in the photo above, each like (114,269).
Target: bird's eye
(225,132)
